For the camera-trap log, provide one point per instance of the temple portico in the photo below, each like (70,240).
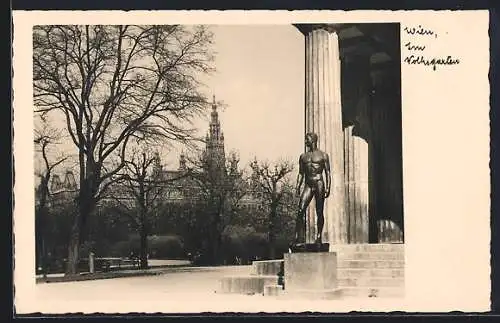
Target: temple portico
(353,103)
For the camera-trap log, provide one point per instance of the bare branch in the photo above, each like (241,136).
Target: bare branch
(114,84)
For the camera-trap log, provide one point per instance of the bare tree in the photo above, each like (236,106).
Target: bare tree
(268,181)
(222,187)
(141,183)
(46,137)
(113,84)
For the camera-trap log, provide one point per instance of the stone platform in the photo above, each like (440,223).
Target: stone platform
(267,267)
(361,270)
(311,275)
(264,273)
(249,284)
(310,270)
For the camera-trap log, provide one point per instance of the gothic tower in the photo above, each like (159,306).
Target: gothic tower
(214,153)
(182,163)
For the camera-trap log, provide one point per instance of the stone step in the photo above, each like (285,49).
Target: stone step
(370,264)
(374,255)
(367,247)
(250,284)
(267,267)
(381,292)
(374,273)
(371,282)
(273,290)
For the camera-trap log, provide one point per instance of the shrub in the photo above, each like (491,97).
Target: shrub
(166,246)
(244,243)
(161,246)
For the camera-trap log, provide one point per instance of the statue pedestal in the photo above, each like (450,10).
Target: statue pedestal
(311,273)
(310,247)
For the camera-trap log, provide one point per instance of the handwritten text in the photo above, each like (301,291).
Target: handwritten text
(420,38)
(420,31)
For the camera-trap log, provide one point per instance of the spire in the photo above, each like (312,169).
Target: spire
(69,180)
(214,122)
(182,162)
(214,110)
(157,167)
(215,139)
(233,162)
(214,105)
(56,183)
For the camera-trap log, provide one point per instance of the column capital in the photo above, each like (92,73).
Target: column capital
(307,28)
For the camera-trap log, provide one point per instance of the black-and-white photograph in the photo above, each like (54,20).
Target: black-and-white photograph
(263,161)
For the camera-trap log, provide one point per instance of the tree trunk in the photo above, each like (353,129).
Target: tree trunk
(144,246)
(215,235)
(214,252)
(85,205)
(74,249)
(39,239)
(41,233)
(44,259)
(272,248)
(271,234)
(213,248)
(41,224)
(216,248)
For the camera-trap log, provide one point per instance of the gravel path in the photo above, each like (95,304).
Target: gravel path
(177,290)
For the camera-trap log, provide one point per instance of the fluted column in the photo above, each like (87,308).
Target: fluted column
(357,138)
(357,185)
(323,115)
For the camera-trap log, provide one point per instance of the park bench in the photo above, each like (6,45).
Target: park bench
(109,263)
(106,264)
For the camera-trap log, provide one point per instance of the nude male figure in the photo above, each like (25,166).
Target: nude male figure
(312,164)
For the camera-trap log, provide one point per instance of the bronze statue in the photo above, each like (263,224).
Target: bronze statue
(312,164)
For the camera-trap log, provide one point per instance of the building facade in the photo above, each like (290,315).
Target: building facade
(181,186)
(62,189)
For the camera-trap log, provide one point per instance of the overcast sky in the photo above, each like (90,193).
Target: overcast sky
(260,78)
